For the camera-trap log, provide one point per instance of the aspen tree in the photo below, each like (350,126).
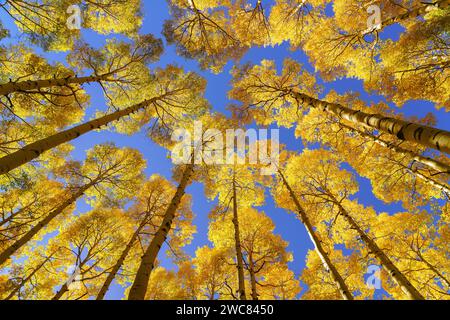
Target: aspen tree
(263,253)
(115,178)
(169,102)
(140,284)
(259,87)
(113,63)
(148,214)
(322,180)
(321,252)
(87,245)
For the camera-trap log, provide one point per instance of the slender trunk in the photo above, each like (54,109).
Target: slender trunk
(5,255)
(403,130)
(212,294)
(24,281)
(61,292)
(140,284)
(251,270)
(436,165)
(35,149)
(237,242)
(431,163)
(387,264)
(120,261)
(28,85)
(428,180)
(77,275)
(65,287)
(337,278)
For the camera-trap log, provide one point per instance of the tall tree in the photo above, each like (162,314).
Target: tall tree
(147,215)
(88,247)
(262,250)
(117,62)
(193,153)
(260,88)
(317,176)
(172,96)
(340,284)
(397,173)
(234,185)
(108,175)
(148,260)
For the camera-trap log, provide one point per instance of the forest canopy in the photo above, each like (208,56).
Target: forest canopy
(315,137)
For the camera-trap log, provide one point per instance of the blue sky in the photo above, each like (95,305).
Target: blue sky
(155,12)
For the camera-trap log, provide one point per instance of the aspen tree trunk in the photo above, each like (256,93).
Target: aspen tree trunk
(429,162)
(387,264)
(403,130)
(5,255)
(428,180)
(61,292)
(120,261)
(35,149)
(24,281)
(252,278)
(237,242)
(436,165)
(326,261)
(28,85)
(212,294)
(140,284)
(65,287)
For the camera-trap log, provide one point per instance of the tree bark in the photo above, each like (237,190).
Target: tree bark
(65,287)
(61,292)
(326,261)
(429,162)
(387,264)
(251,269)
(120,261)
(427,136)
(5,255)
(237,242)
(140,284)
(428,180)
(35,149)
(24,86)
